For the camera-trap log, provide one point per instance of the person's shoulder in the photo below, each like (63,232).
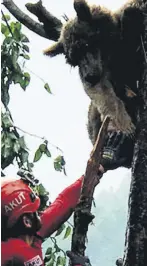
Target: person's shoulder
(10,250)
(14,243)
(6,253)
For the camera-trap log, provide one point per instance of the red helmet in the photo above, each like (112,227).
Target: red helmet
(17,198)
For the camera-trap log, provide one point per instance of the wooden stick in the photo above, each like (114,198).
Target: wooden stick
(82,214)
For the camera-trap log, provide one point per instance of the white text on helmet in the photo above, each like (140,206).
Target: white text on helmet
(14,203)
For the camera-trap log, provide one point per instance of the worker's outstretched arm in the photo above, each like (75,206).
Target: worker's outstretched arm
(61,209)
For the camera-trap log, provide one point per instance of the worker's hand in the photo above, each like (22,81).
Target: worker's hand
(78,260)
(113,152)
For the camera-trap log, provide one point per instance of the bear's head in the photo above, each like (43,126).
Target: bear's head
(88,41)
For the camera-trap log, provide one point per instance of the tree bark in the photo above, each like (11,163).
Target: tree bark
(51,27)
(82,214)
(136,233)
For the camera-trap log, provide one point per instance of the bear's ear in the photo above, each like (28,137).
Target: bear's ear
(82,9)
(54,50)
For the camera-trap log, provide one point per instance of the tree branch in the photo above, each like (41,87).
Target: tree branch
(50,30)
(51,24)
(82,214)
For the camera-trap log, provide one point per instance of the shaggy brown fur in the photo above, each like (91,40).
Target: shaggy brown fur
(106,47)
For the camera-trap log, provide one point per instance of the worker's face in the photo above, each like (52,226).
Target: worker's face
(32,222)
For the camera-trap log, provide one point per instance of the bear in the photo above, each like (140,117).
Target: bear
(106,47)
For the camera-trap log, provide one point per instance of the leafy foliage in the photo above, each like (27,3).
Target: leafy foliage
(14,53)
(43,149)
(46,86)
(12,144)
(59,164)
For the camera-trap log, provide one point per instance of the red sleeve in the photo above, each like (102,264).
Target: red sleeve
(61,209)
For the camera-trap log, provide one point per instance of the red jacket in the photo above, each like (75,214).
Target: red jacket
(15,251)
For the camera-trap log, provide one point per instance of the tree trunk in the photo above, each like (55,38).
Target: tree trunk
(136,233)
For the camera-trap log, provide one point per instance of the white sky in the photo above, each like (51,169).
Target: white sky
(61,117)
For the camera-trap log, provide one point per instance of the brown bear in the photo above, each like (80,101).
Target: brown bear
(106,46)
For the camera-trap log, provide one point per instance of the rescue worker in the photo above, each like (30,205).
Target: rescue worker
(24,230)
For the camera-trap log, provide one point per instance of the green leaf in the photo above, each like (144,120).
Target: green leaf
(5,95)
(16,146)
(24,156)
(24,38)
(48,251)
(47,259)
(6,121)
(17,78)
(26,56)
(22,143)
(16,34)
(51,263)
(26,48)
(57,166)
(24,82)
(47,152)
(15,28)
(6,151)
(8,141)
(30,166)
(60,159)
(41,190)
(15,56)
(59,163)
(42,147)
(61,261)
(7,40)
(7,17)
(12,135)
(18,25)
(59,231)
(5,30)
(27,78)
(3,137)
(46,86)
(12,26)
(38,155)
(67,232)
(27,75)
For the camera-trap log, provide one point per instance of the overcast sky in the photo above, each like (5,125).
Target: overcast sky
(60,117)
